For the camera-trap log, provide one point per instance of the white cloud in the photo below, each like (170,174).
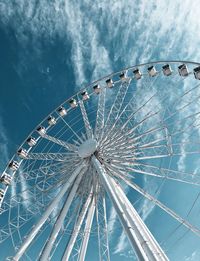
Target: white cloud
(147,206)
(112,222)
(122,243)
(194,256)
(102,31)
(24,189)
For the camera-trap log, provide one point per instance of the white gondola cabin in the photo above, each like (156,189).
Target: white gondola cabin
(152,71)
(85,95)
(13,165)
(137,74)
(97,89)
(62,111)
(51,120)
(6,179)
(22,153)
(197,73)
(109,83)
(183,70)
(73,103)
(2,192)
(167,70)
(123,76)
(31,141)
(41,130)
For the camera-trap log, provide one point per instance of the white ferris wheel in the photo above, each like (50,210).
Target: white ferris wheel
(93,153)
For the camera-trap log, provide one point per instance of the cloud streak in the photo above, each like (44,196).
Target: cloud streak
(106,37)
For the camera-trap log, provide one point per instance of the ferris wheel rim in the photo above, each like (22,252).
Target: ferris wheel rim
(90,86)
(78,93)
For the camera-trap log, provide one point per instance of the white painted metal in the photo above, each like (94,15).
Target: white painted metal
(100,114)
(150,245)
(116,106)
(165,208)
(87,230)
(120,212)
(126,146)
(102,226)
(87,148)
(88,127)
(76,229)
(80,169)
(60,220)
(64,144)
(136,230)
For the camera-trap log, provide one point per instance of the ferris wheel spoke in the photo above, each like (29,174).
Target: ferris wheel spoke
(59,222)
(149,81)
(163,207)
(190,128)
(145,233)
(100,114)
(136,141)
(77,228)
(71,219)
(129,118)
(88,127)
(132,131)
(102,227)
(146,127)
(117,104)
(69,127)
(189,121)
(164,173)
(185,94)
(177,149)
(138,234)
(50,156)
(68,146)
(17,223)
(87,230)
(179,109)
(49,169)
(46,185)
(151,144)
(55,179)
(80,170)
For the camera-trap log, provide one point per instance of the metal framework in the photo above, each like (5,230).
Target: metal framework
(133,127)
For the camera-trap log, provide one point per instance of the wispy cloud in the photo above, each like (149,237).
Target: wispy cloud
(67,20)
(147,206)
(24,190)
(194,256)
(122,243)
(103,36)
(102,33)
(112,221)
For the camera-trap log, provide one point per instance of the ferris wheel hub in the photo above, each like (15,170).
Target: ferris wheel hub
(87,148)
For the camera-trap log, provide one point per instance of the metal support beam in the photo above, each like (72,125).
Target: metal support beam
(88,128)
(139,236)
(102,227)
(68,146)
(60,220)
(150,242)
(76,229)
(87,230)
(80,169)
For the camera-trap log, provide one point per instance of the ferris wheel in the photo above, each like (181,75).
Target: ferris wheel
(92,153)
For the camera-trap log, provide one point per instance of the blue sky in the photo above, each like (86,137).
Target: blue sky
(50,49)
